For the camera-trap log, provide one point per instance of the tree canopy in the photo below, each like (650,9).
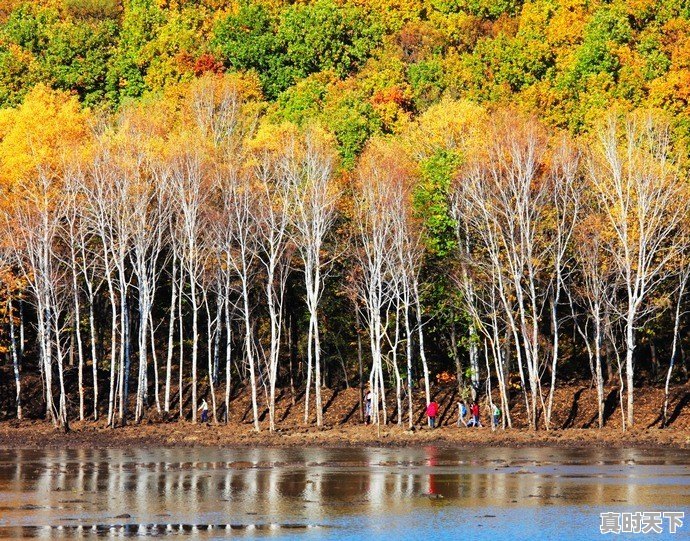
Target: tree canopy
(361,68)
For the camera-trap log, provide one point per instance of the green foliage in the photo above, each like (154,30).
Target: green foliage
(76,58)
(304,39)
(431,202)
(29,27)
(67,54)
(656,60)
(353,122)
(510,64)
(608,28)
(247,40)
(326,36)
(427,81)
(304,100)
(140,24)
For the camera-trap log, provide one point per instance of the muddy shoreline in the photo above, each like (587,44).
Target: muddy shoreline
(41,435)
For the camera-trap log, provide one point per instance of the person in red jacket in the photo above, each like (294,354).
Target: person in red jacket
(474,411)
(432,412)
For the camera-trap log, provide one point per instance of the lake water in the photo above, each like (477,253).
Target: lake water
(413,493)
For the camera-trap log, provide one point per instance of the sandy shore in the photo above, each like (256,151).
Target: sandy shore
(36,434)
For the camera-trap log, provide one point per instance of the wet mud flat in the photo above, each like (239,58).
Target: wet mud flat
(334,493)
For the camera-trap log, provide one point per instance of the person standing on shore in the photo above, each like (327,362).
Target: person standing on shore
(204,411)
(367,407)
(432,412)
(462,413)
(474,411)
(496,415)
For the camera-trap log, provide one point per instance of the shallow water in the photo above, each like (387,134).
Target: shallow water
(420,493)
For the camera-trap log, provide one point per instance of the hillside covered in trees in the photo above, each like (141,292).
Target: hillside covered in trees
(206,199)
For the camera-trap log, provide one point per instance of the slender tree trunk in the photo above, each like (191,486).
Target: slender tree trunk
(171,332)
(685,274)
(398,379)
(629,350)
(181,330)
(195,343)
(293,355)
(113,353)
(63,415)
(154,358)
(15,361)
(654,358)
(360,364)
(212,336)
(317,371)
(77,327)
(420,331)
(599,375)
(21,331)
(554,360)
(408,354)
(249,351)
(488,386)
(143,348)
(228,353)
(216,340)
(125,355)
(307,389)
(500,374)
(456,357)
(94,358)
(46,355)
(274,351)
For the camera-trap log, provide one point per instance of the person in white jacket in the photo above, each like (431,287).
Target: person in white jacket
(204,411)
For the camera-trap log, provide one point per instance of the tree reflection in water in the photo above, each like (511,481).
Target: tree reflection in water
(157,490)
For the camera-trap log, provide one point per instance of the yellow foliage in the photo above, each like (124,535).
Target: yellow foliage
(567,24)
(46,128)
(448,125)
(671,92)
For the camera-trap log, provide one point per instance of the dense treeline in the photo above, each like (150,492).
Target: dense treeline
(361,68)
(201,195)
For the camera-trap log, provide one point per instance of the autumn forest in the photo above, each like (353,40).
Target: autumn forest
(204,199)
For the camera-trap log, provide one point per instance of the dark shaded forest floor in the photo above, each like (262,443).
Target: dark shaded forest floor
(574,421)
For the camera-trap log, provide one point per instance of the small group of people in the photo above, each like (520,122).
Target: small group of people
(474,413)
(473,420)
(432,411)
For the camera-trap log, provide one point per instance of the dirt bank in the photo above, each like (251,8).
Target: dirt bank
(184,434)
(574,419)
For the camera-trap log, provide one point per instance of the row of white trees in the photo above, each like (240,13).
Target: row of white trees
(551,232)
(209,209)
(183,225)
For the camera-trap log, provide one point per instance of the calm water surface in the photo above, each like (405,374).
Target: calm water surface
(421,493)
